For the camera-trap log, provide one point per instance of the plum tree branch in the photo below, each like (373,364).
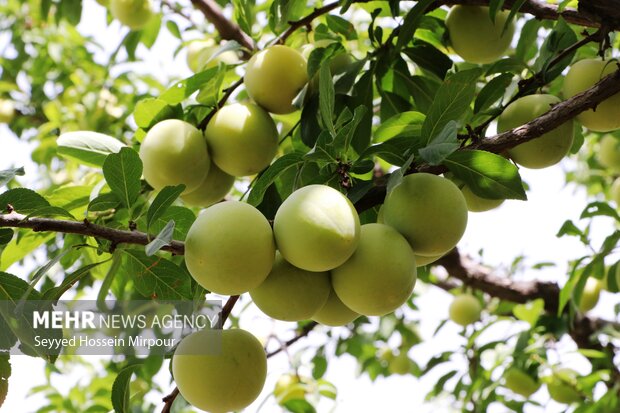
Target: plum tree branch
(303,332)
(116,236)
(546,11)
(225,27)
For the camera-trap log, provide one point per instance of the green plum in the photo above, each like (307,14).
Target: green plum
(316,228)
(614,191)
(213,188)
(545,150)
(229,249)
(220,371)
(400,364)
(380,275)
(243,139)
(590,295)
(134,14)
(421,260)
(290,293)
(334,313)
(583,75)
(274,77)
(465,309)
(475,37)
(174,152)
(289,387)
(608,154)
(7,110)
(520,382)
(477,203)
(200,52)
(430,211)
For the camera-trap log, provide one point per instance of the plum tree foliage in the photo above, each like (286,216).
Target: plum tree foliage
(316,163)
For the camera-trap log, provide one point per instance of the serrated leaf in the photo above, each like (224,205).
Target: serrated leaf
(488,175)
(8,174)
(405,124)
(162,201)
(183,218)
(157,277)
(22,200)
(280,165)
(442,145)
(122,172)
(121,389)
(163,238)
(90,148)
(327,98)
(451,102)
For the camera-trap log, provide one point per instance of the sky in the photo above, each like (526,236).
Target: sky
(516,228)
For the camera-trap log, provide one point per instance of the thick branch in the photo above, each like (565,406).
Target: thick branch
(539,10)
(117,236)
(226,28)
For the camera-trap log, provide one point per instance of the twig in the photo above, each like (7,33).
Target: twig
(230,303)
(117,236)
(229,91)
(302,333)
(169,399)
(226,28)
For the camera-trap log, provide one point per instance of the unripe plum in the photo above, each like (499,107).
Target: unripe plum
(7,111)
(615,192)
(429,211)
(174,152)
(400,364)
(477,203)
(229,249)
(212,189)
(243,139)
(334,313)
(199,54)
(583,75)
(421,260)
(274,77)
(316,228)
(290,293)
(520,382)
(465,309)
(608,154)
(380,275)
(134,14)
(475,37)
(220,371)
(545,150)
(590,295)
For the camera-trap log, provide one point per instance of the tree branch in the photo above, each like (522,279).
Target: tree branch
(169,399)
(539,10)
(226,28)
(117,236)
(303,332)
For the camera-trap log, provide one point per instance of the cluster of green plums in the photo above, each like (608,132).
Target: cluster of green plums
(561,384)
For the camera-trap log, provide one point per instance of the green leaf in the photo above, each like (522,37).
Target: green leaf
(561,37)
(276,169)
(8,174)
(162,201)
(319,367)
(150,111)
(157,277)
(55,293)
(121,389)
(244,14)
(492,92)
(183,89)
(173,28)
(5,373)
(163,238)
(50,211)
(595,209)
(406,124)
(151,31)
(104,202)
(327,98)
(451,102)
(122,172)
(428,57)
(299,406)
(341,26)
(6,235)
(22,200)
(488,175)
(397,176)
(183,218)
(530,311)
(442,145)
(411,23)
(90,148)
